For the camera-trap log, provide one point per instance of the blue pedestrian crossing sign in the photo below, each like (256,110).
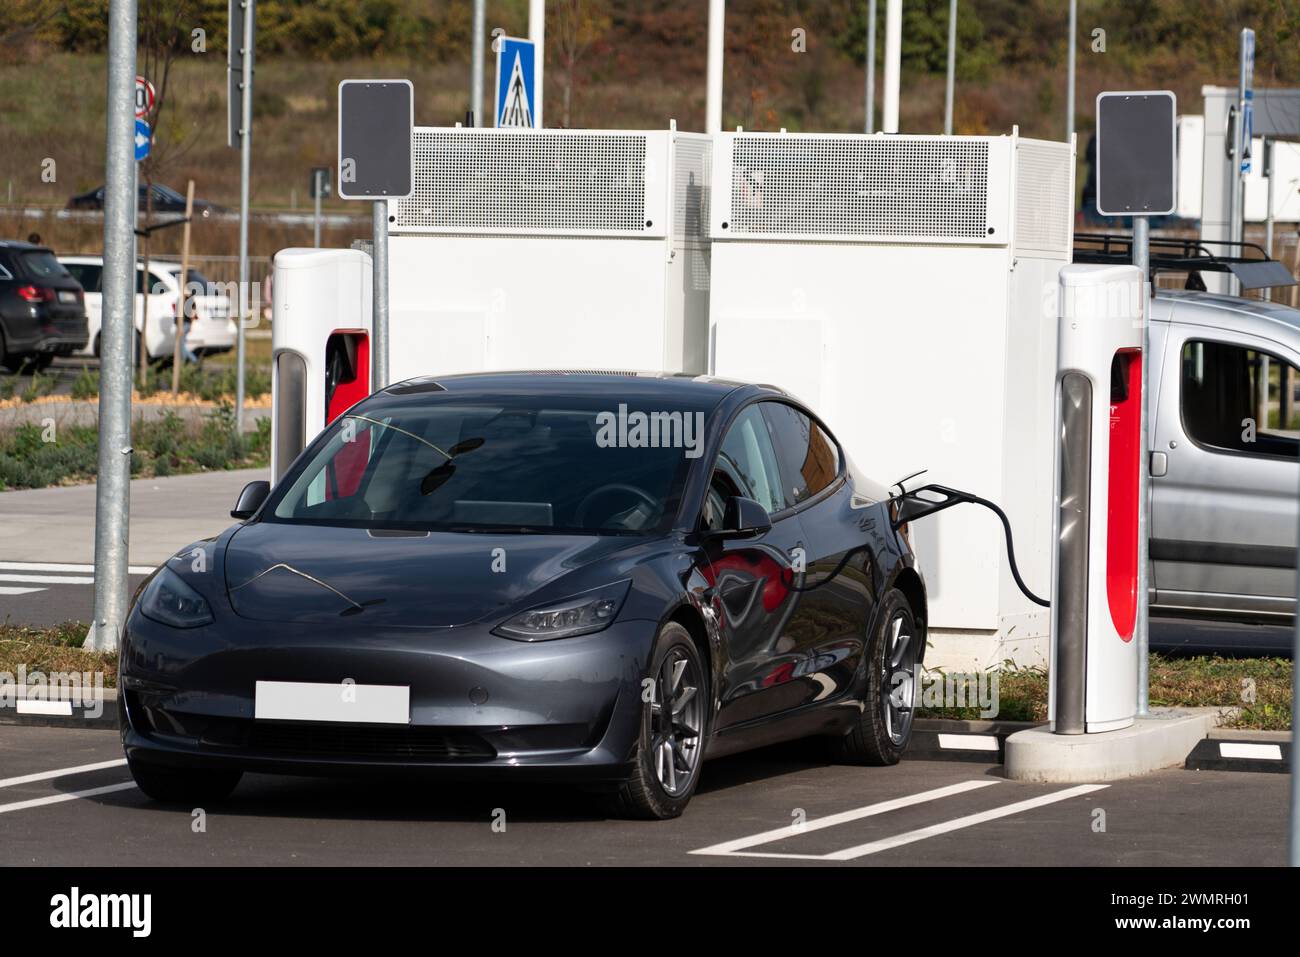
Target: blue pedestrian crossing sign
(143,140)
(516,99)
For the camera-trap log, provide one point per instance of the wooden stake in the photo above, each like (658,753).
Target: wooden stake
(185,275)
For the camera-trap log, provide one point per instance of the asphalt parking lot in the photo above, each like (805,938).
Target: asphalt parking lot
(66,799)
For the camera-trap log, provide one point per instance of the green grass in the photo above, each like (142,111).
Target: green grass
(53,649)
(167,446)
(1259,687)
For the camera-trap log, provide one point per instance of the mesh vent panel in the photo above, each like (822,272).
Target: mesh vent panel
(692,163)
(913,187)
(552,181)
(1044,199)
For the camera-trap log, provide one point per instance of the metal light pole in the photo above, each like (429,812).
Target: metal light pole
(1072,42)
(113,485)
(893,62)
(379,319)
(476,62)
(952,67)
(316,177)
(870,125)
(245,164)
(537,33)
(1141,636)
(713,97)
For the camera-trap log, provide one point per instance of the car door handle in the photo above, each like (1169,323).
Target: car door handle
(1159,464)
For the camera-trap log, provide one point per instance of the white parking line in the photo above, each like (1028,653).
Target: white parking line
(970,820)
(61,772)
(736,848)
(47,579)
(60,798)
(13,590)
(870,810)
(65,567)
(969,742)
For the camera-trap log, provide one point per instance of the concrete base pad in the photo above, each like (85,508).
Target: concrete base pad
(1161,740)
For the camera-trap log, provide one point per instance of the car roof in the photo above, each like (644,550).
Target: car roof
(1253,316)
(19,246)
(619,385)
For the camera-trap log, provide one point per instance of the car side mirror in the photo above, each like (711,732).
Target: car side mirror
(250,499)
(744,518)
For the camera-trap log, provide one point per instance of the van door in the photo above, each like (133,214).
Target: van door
(1224,513)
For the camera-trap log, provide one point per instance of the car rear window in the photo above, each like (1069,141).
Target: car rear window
(41,264)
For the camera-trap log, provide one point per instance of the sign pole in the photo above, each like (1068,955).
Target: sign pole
(537,33)
(870,125)
(316,177)
(379,312)
(113,486)
(1141,636)
(952,68)
(245,163)
(1241,142)
(181,313)
(478,28)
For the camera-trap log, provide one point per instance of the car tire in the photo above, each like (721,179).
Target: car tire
(40,361)
(190,786)
(666,750)
(880,734)
(5,357)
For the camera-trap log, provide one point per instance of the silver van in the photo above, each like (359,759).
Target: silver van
(1225,476)
(1224,432)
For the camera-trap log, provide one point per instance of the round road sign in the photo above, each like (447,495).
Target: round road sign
(144,97)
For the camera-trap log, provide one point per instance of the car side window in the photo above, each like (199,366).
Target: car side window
(88,274)
(808,457)
(747,463)
(1239,399)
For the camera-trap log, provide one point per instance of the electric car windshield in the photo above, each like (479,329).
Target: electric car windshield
(580,465)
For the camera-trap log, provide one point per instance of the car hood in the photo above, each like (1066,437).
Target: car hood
(314,573)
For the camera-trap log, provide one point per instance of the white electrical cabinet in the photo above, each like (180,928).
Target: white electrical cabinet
(906,288)
(551,249)
(518,249)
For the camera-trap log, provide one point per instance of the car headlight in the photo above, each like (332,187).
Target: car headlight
(582,614)
(169,601)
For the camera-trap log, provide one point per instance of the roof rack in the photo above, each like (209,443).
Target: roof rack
(1252,266)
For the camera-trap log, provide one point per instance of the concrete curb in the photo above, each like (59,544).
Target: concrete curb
(60,711)
(1161,740)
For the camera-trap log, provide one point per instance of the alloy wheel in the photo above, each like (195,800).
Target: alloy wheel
(899,679)
(676,719)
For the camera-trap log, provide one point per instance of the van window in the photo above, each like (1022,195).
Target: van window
(1240,400)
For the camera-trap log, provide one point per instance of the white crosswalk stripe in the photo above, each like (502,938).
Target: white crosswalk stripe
(27,578)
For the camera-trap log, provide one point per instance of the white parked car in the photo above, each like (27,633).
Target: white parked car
(212,326)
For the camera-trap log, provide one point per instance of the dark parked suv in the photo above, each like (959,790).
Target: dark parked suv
(42,308)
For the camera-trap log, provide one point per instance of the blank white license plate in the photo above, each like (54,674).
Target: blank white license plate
(351,703)
(65,296)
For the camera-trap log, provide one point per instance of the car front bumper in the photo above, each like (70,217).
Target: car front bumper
(480,705)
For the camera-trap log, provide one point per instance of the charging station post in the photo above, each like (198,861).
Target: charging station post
(1095,580)
(1137,168)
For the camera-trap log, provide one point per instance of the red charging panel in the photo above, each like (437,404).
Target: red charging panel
(354,390)
(1122,494)
(350,462)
